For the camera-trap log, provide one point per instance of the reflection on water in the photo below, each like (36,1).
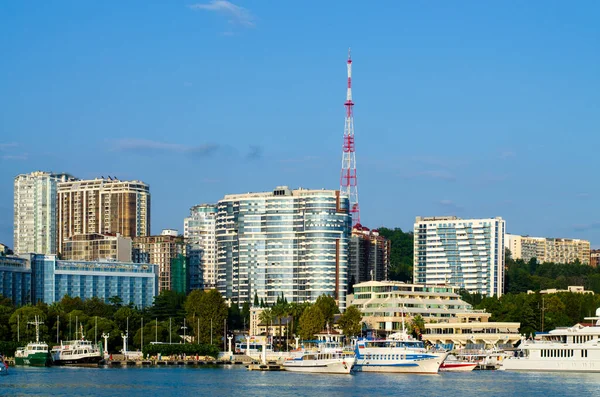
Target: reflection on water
(236,380)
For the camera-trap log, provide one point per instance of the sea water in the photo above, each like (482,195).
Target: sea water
(237,381)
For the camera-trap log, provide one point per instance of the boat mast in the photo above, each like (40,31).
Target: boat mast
(37,323)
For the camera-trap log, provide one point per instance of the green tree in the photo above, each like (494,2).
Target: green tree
(280,310)
(245,314)
(69,304)
(328,308)
(311,322)
(20,324)
(417,324)
(6,310)
(350,321)
(206,311)
(256,303)
(401,255)
(96,307)
(127,318)
(169,304)
(266,317)
(234,317)
(157,331)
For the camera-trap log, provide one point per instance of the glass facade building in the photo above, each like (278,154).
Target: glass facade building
(15,279)
(467,253)
(199,231)
(53,279)
(290,242)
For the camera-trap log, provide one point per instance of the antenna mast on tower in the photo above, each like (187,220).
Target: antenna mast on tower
(348,181)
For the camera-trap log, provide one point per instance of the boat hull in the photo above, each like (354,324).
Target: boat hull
(457,367)
(424,364)
(539,365)
(35,360)
(83,361)
(423,367)
(326,367)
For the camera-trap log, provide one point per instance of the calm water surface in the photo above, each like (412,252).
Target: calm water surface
(236,380)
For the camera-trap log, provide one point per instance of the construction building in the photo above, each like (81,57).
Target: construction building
(94,246)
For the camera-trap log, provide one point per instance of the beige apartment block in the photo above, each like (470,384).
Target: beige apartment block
(556,250)
(97,247)
(103,206)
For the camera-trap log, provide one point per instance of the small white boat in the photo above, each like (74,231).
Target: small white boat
(453,364)
(321,363)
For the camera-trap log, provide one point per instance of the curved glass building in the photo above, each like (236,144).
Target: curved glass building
(290,242)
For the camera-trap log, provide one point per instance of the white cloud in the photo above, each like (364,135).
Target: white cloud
(239,15)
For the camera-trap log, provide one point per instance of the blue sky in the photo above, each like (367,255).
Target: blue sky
(471,108)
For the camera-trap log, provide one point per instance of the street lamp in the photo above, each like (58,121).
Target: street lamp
(184,328)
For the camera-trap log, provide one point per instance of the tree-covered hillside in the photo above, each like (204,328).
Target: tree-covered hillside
(401,258)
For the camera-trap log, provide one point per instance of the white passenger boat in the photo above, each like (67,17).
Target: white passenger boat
(573,349)
(76,352)
(325,362)
(399,353)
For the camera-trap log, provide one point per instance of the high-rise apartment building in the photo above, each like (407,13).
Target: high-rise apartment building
(161,251)
(467,253)
(286,241)
(94,246)
(35,217)
(103,206)
(199,230)
(556,250)
(369,255)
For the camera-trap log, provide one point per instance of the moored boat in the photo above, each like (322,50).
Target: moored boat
(396,356)
(36,353)
(453,364)
(573,349)
(331,362)
(76,353)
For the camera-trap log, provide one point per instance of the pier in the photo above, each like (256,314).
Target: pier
(120,361)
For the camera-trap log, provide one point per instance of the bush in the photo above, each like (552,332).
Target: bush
(8,348)
(187,349)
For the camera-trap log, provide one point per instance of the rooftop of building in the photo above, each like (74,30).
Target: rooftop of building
(452,218)
(549,239)
(46,173)
(282,191)
(97,182)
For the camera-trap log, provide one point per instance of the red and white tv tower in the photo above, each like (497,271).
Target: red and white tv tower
(348,181)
